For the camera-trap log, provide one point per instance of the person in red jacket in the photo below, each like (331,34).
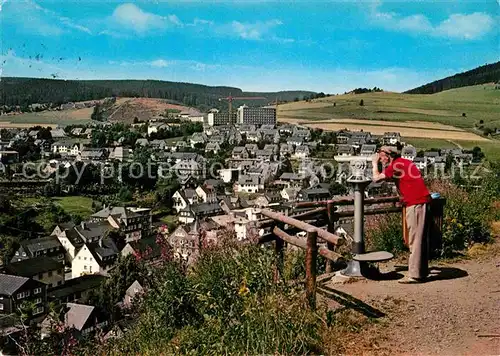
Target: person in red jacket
(415,196)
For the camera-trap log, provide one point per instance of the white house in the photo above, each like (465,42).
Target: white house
(213,147)
(301,152)
(249,184)
(205,194)
(184,197)
(409,152)
(420,162)
(228,175)
(154,127)
(391,138)
(431,156)
(290,194)
(71,148)
(94,258)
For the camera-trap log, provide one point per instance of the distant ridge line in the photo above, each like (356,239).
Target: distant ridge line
(488,73)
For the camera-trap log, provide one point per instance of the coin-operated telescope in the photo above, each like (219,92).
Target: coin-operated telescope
(358,266)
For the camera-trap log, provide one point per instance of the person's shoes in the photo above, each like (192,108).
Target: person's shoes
(411,280)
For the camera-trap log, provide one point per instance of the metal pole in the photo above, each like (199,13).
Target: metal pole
(356,268)
(311,255)
(359,229)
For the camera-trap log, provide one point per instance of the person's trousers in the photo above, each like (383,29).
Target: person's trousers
(418,265)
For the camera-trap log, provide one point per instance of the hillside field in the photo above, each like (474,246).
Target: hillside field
(480,102)
(124,110)
(425,117)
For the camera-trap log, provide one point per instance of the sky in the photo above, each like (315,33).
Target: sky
(258,45)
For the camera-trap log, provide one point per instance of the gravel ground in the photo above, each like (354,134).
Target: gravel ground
(456,313)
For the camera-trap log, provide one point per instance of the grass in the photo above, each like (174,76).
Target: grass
(78,205)
(62,118)
(477,102)
(169,219)
(425,144)
(491,149)
(30,201)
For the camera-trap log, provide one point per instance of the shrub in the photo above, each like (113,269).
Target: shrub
(295,265)
(385,232)
(467,216)
(227,303)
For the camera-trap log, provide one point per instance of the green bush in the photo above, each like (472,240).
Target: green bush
(227,303)
(467,217)
(385,232)
(468,213)
(274,324)
(295,265)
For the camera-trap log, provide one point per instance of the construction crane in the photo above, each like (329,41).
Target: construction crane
(231,98)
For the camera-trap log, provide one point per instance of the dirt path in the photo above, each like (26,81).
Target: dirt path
(118,108)
(456,144)
(452,314)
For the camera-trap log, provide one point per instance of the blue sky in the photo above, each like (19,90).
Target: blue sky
(329,46)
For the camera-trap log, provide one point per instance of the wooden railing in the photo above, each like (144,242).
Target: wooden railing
(321,214)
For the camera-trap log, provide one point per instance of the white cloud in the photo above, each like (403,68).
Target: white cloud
(130,16)
(1,3)
(34,19)
(255,30)
(200,22)
(456,26)
(114,34)
(160,63)
(467,27)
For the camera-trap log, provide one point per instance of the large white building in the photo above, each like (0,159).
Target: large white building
(217,118)
(256,116)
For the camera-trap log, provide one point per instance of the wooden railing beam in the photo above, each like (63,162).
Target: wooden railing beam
(325,235)
(293,240)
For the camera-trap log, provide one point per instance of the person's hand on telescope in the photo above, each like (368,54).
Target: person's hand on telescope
(375,159)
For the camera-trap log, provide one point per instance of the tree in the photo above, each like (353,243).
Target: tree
(337,189)
(488,131)
(44,134)
(97,114)
(28,151)
(125,272)
(477,154)
(98,138)
(125,195)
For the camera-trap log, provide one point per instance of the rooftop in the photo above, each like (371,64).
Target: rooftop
(75,285)
(34,266)
(77,315)
(9,284)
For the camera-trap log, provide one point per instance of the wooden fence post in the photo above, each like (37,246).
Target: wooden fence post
(330,211)
(311,255)
(279,245)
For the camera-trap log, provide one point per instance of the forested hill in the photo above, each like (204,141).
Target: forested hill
(489,73)
(25,91)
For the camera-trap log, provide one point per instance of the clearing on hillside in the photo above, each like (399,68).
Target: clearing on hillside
(126,109)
